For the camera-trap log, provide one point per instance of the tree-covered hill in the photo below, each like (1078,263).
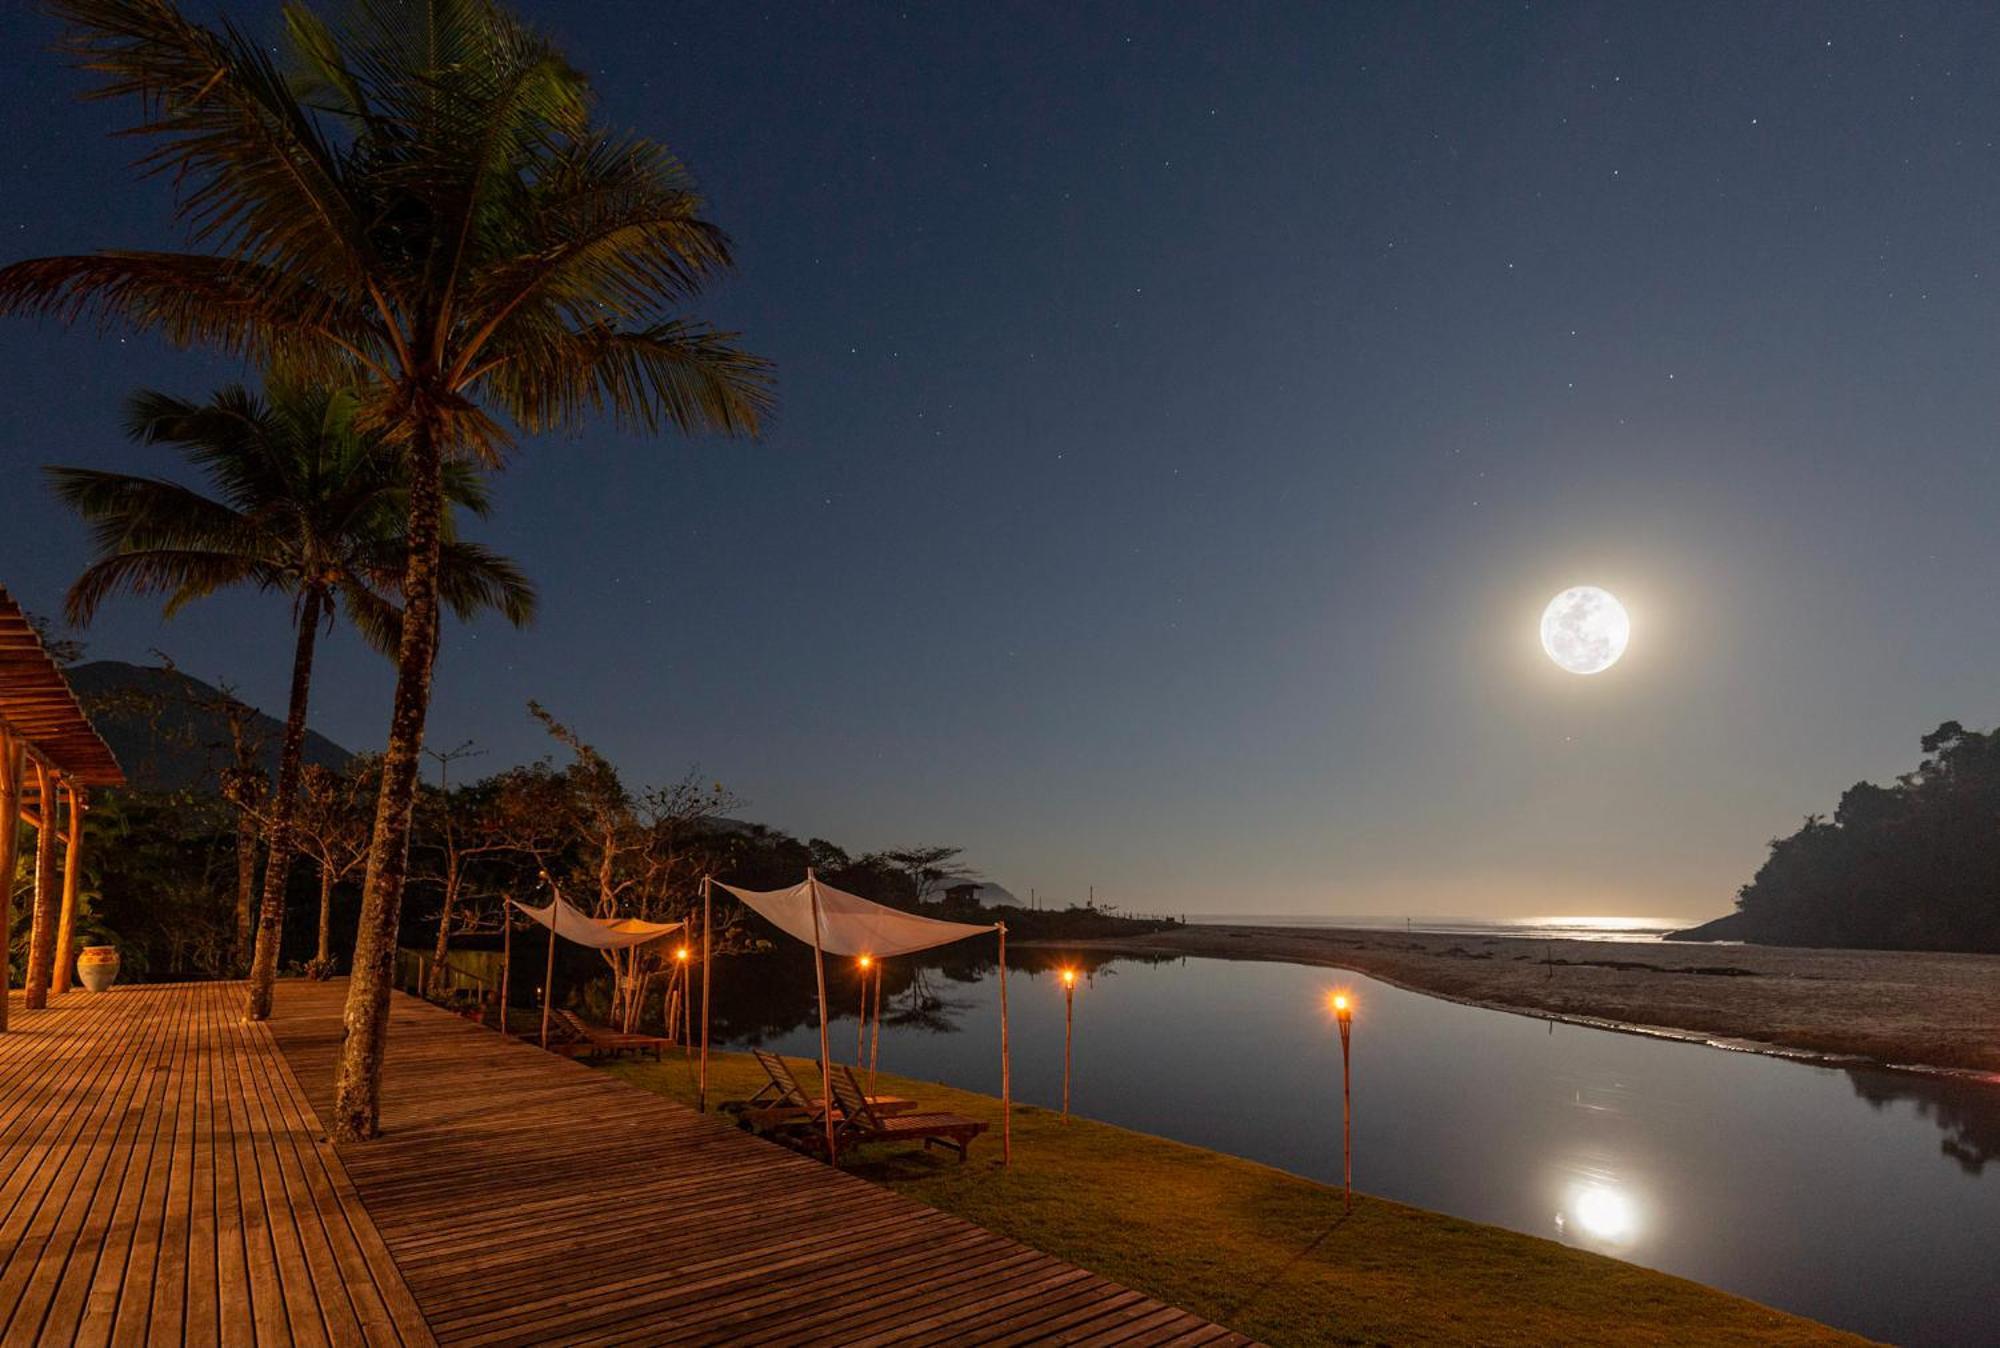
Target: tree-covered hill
(1913,866)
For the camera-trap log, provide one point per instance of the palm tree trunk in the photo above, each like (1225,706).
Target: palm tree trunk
(246,888)
(325,916)
(358,1088)
(279,843)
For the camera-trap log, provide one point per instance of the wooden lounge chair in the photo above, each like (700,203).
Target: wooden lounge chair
(783,1099)
(597,1041)
(860,1122)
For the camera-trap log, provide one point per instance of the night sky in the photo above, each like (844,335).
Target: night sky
(1187,412)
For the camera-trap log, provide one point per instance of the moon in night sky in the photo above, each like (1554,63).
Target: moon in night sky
(1585,629)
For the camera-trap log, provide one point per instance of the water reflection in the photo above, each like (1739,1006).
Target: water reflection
(1818,1190)
(1600,1215)
(1962,1108)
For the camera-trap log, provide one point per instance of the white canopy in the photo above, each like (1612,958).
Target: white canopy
(599,933)
(850,924)
(832,921)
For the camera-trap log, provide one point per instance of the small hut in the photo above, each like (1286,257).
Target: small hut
(51,757)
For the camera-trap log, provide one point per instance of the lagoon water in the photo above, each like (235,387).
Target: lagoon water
(1867,1199)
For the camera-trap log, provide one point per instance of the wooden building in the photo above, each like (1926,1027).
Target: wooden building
(51,757)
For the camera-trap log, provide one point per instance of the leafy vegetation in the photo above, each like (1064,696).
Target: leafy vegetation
(308,504)
(1914,866)
(416,205)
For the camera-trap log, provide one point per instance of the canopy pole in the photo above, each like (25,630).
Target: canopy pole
(1006,1060)
(861,1025)
(506,955)
(10,834)
(825,1057)
(79,802)
(701,1090)
(549,978)
(875,1047)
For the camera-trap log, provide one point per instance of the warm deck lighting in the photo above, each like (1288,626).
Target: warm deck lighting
(681,954)
(867,960)
(1069,978)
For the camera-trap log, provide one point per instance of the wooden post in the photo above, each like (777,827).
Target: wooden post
(825,1057)
(1069,1032)
(1345,1015)
(10,834)
(549,978)
(861,1025)
(875,1047)
(701,1091)
(506,955)
(1006,1060)
(42,932)
(72,877)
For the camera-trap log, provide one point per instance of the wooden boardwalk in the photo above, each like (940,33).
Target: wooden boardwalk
(165,1180)
(162,1181)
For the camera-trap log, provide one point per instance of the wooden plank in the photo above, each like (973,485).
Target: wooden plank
(530,1199)
(164,1178)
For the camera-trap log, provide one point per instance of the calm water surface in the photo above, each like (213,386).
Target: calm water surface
(1867,1199)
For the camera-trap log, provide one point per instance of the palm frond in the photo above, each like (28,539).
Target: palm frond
(241,308)
(254,174)
(674,373)
(183,576)
(472,577)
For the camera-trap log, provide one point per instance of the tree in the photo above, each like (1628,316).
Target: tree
(459,840)
(1910,866)
(332,823)
(637,856)
(427,207)
(926,870)
(307,503)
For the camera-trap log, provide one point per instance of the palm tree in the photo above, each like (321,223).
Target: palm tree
(426,207)
(306,504)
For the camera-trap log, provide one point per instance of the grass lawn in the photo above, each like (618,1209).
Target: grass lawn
(1269,1253)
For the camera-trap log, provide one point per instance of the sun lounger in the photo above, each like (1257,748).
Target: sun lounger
(858,1122)
(595,1040)
(783,1099)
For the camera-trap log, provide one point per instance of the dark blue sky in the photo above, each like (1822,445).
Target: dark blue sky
(1187,411)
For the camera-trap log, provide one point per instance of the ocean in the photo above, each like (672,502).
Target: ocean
(1584,928)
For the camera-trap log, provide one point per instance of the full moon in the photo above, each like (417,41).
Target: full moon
(1584,629)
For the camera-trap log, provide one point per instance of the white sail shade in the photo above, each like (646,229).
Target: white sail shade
(850,924)
(599,933)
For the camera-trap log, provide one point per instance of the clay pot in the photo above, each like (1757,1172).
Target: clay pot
(97,967)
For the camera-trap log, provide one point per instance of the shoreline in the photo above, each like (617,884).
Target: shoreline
(1927,1013)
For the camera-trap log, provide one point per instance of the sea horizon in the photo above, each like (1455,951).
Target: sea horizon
(1584,927)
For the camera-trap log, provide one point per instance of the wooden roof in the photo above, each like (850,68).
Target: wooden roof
(37,704)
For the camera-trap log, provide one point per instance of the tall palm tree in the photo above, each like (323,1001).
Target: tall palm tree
(427,206)
(307,504)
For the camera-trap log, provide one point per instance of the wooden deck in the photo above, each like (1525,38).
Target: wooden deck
(162,1180)
(165,1180)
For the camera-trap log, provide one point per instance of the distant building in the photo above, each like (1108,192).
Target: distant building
(966,893)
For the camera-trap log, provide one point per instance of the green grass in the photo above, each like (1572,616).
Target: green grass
(1269,1253)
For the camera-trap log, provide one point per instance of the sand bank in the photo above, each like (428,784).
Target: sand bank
(1915,1010)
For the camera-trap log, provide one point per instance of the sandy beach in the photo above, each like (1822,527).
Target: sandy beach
(1915,1010)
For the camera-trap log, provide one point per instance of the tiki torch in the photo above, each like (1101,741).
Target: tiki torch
(1343,1013)
(1069,1031)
